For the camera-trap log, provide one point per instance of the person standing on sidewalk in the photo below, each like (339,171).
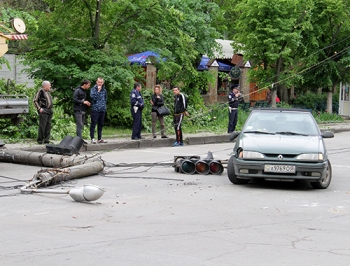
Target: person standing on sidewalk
(80,103)
(98,96)
(233,102)
(137,104)
(43,103)
(157,101)
(180,106)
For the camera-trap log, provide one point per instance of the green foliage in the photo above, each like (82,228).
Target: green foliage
(82,43)
(313,101)
(26,129)
(324,117)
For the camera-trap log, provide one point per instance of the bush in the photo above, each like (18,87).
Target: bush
(316,102)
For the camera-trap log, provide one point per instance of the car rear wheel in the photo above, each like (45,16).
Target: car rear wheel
(324,183)
(231,173)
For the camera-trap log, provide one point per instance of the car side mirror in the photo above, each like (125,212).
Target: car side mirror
(234,135)
(327,134)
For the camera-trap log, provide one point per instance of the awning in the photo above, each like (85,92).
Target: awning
(222,66)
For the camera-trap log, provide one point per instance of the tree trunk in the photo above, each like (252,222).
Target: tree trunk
(329,102)
(283,92)
(292,95)
(97,25)
(273,95)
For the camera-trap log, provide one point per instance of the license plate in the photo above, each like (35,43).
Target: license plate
(279,168)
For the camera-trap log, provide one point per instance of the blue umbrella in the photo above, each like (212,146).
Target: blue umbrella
(141,58)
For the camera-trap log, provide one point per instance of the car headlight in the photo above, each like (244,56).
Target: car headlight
(310,157)
(251,155)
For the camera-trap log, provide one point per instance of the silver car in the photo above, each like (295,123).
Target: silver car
(280,144)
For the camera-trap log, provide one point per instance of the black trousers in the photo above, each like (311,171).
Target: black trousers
(97,118)
(177,126)
(45,119)
(137,125)
(79,120)
(232,120)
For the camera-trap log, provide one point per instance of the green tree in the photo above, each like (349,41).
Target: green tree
(269,33)
(328,58)
(92,39)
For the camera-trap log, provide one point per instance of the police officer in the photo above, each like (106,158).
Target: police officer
(233,101)
(137,104)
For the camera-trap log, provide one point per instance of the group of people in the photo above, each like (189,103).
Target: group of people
(157,101)
(98,94)
(98,104)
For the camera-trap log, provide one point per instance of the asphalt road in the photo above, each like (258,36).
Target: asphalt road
(155,216)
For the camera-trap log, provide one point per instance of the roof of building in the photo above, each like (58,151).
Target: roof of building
(226,49)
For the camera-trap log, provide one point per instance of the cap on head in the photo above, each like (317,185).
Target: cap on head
(235,86)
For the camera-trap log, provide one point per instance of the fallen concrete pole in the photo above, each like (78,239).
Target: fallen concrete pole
(40,159)
(51,176)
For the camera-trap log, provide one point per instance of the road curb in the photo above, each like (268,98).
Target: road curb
(200,139)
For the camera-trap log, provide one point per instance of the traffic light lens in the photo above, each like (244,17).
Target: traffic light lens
(188,167)
(216,168)
(202,167)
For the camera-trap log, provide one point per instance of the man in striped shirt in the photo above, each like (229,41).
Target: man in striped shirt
(43,104)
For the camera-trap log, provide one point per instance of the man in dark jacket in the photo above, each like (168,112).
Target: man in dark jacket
(233,101)
(137,104)
(80,103)
(43,104)
(180,105)
(98,96)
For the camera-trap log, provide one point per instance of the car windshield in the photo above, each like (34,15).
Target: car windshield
(281,122)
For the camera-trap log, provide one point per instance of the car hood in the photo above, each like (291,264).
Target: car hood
(287,144)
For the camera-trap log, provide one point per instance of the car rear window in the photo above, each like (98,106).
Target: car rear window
(276,121)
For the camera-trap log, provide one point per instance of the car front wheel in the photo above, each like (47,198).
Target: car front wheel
(324,183)
(231,173)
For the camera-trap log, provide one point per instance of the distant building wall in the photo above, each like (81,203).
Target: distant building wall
(15,72)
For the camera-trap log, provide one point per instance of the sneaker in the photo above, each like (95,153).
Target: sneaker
(165,137)
(93,141)
(154,136)
(176,144)
(102,141)
(181,144)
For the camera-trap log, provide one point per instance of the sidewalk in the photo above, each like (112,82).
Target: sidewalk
(127,143)
(148,142)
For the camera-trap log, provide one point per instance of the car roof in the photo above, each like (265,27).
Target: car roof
(281,110)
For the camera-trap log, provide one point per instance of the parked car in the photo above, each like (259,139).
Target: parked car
(280,144)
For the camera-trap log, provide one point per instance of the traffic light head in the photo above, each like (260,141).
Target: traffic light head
(215,167)
(193,164)
(202,167)
(179,163)
(187,166)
